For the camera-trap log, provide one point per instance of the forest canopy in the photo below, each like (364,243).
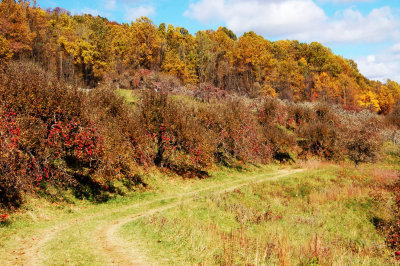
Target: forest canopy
(88,50)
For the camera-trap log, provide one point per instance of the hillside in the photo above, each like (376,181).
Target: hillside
(87,103)
(88,51)
(139,143)
(111,133)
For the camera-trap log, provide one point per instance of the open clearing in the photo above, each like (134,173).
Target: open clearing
(330,215)
(90,235)
(322,214)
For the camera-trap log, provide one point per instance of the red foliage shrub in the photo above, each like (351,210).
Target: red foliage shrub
(171,137)
(119,127)
(51,134)
(363,144)
(321,139)
(71,141)
(11,160)
(233,130)
(361,135)
(394,117)
(318,130)
(277,134)
(207,91)
(46,138)
(300,114)
(391,229)
(3,217)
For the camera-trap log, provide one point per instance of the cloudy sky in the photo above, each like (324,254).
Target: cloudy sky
(367,31)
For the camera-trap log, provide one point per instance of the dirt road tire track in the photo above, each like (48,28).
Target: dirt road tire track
(122,252)
(30,251)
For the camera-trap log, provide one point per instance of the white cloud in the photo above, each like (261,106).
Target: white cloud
(91,11)
(144,10)
(395,49)
(120,4)
(110,4)
(297,19)
(265,17)
(350,26)
(345,1)
(383,65)
(206,11)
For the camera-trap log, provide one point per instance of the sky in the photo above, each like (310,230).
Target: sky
(367,31)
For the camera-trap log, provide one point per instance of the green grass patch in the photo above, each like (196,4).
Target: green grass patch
(129,95)
(76,222)
(323,216)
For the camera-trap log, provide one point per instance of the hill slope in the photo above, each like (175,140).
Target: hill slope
(92,50)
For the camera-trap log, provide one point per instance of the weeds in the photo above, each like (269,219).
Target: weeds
(321,217)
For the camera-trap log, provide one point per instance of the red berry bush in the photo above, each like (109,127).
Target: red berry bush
(391,229)
(54,135)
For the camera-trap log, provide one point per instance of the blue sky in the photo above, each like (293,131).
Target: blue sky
(367,31)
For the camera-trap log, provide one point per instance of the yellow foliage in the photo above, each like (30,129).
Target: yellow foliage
(5,51)
(369,99)
(326,86)
(385,99)
(303,62)
(253,51)
(269,91)
(394,88)
(15,25)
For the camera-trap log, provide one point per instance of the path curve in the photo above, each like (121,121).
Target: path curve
(122,252)
(118,250)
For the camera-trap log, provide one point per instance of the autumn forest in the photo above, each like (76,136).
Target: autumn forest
(210,148)
(87,102)
(87,50)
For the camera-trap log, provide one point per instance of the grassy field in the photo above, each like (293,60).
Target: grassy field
(311,214)
(320,217)
(58,233)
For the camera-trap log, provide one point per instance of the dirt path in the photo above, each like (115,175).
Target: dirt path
(29,251)
(116,249)
(122,252)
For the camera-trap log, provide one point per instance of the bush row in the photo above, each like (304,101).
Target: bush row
(54,135)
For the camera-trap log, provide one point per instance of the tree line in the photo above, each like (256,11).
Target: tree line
(88,50)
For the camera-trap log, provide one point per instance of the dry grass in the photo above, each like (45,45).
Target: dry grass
(323,217)
(383,176)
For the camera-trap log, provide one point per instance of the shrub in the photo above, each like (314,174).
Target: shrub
(394,117)
(120,130)
(361,135)
(277,134)
(272,111)
(318,130)
(11,163)
(364,144)
(391,229)
(300,114)
(280,142)
(45,135)
(235,129)
(207,91)
(33,92)
(172,137)
(52,134)
(321,139)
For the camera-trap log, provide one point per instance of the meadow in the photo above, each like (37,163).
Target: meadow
(328,215)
